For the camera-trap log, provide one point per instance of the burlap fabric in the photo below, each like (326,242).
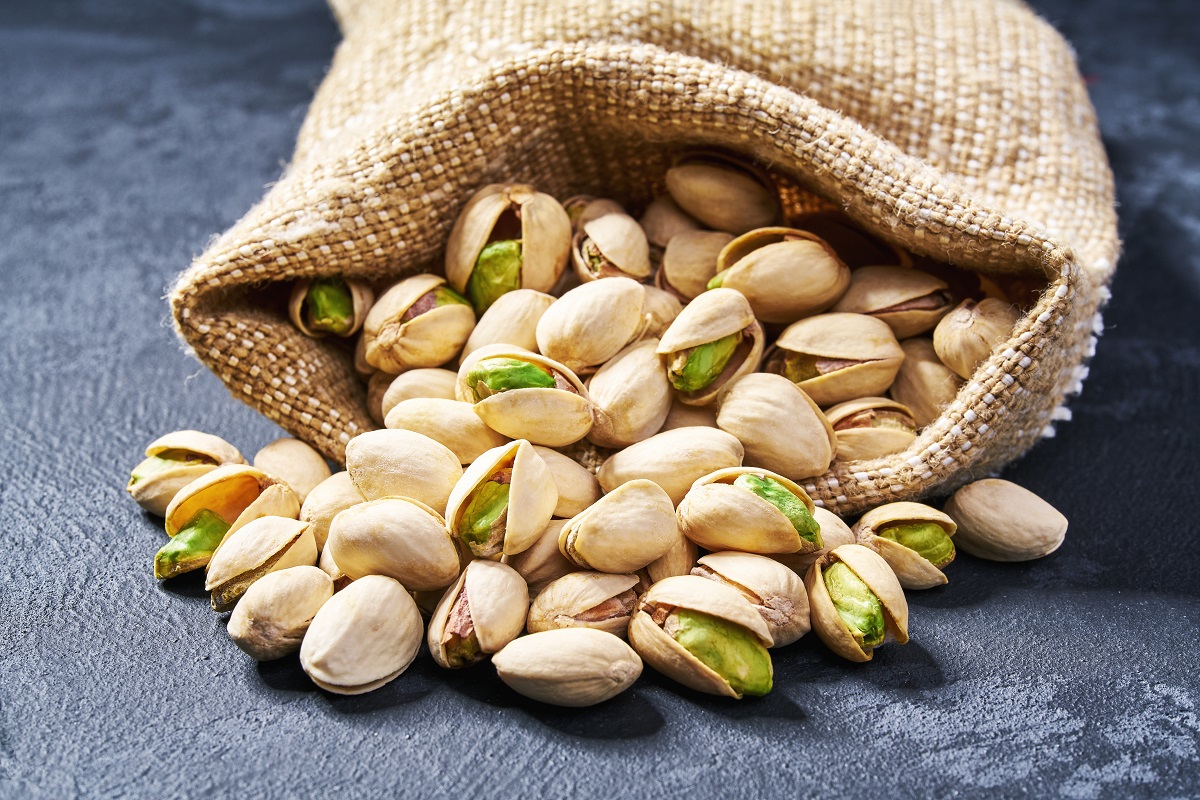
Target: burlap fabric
(959,129)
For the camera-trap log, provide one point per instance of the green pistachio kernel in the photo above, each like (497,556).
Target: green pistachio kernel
(192,547)
(928,539)
(462,653)
(491,376)
(718,280)
(726,648)
(166,460)
(781,497)
(445,296)
(696,367)
(497,272)
(799,367)
(856,604)
(329,306)
(483,521)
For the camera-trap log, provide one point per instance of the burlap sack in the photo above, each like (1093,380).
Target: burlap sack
(959,129)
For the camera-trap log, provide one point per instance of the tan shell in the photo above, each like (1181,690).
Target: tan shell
(624,531)
(264,545)
(363,637)
(511,320)
(227,491)
(583,208)
(295,463)
(663,220)
(426,382)
(661,309)
(785,274)
(872,570)
(592,323)
(427,340)
(1001,521)
(532,494)
(717,515)
(674,459)
(621,242)
(776,592)
(270,620)
(845,336)
(360,294)
(327,565)
(328,499)
(778,424)
(277,500)
(155,492)
(722,193)
(682,415)
(498,600)
(913,571)
(453,423)
(966,337)
(577,487)
(631,396)
(542,563)
(711,316)
(690,262)
(398,537)
(364,370)
(563,602)
(396,463)
(679,560)
(875,289)
(834,533)
(924,383)
(572,667)
(863,444)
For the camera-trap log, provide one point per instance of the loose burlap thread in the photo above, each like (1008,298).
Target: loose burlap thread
(958,129)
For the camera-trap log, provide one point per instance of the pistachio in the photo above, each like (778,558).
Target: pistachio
(503,501)
(592,323)
(690,262)
(910,301)
(419,322)
(295,463)
(573,667)
(714,341)
(751,510)
(631,396)
(837,357)
(327,565)
(398,537)
(363,637)
(329,305)
(172,462)
(663,220)
(583,208)
(611,246)
(967,335)
(1001,521)
(261,546)
(661,309)
(834,533)
(722,193)
(192,547)
(924,384)
(871,427)
(914,539)
(477,616)
(853,245)
(849,589)
(856,605)
(452,423)
(585,600)
(329,498)
(577,486)
(682,415)
(679,560)
(674,460)
(542,563)
(429,382)
(397,463)
(776,592)
(624,531)
(778,424)
(511,320)
(270,620)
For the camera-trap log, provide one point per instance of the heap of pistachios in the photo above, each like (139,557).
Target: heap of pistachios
(576,459)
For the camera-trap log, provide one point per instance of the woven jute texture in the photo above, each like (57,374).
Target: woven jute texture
(959,129)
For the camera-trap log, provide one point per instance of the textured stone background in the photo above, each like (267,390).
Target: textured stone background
(129,133)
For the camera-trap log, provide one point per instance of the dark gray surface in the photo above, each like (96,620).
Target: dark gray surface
(129,135)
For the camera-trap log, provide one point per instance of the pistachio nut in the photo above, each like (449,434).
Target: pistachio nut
(482,612)
(722,193)
(910,301)
(786,274)
(776,592)
(924,384)
(855,602)
(524,395)
(778,424)
(682,415)
(853,245)
(329,498)
(264,545)
(172,462)
(583,208)
(577,486)
(914,539)
(663,220)
(611,246)
(705,635)
(327,565)
(503,501)
(508,236)
(967,335)
(837,357)
(834,533)
(426,382)
(542,563)
(714,341)
(871,427)
(419,322)
(690,262)
(751,510)
(679,560)
(624,531)
(592,323)
(398,537)
(192,547)
(398,463)
(661,310)
(363,637)
(673,459)
(1001,521)
(573,667)
(450,422)
(511,320)
(295,463)
(630,395)
(329,305)
(270,620)
(585,600)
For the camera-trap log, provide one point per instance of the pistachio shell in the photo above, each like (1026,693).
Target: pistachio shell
(453,423)
(690,262)
(631,396)
(674,460)
(270,620)
(394,344)
(295,463)
(172,462)
(834,533)
(542,563)
(723,194)
(592,323)
(361,297)
(913,571)
(364,370)
(585,600)
(785,274)
(966,337)
(396,463)
(577,486)
(838,336)
(662,308)
(711,316)
(663,220)
(511,320)
(276,500)
(872,570)
(776,592)
(624,531)
(1001,521)
(426,382)
(226,491)
(778,424)
(924,383)
(327,499)
(264,545)
(583,208)
(910,301)
(573,667)
(395,536)
(497,601)
(717,515)
(197,443)
(682,415)
(618,242)
(679,560)
(327,565)
(865,443)
(532,494)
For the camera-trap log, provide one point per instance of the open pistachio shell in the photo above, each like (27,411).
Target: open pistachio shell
(542,563)
(852,355)
(328,499)
(722,193)
(611,246)
(718,513)
(424,382)
(577,486)
(172,462)
(295,463)
(778,424)
(776,592)
(924,384)
(583,208)
(912,569)
(785,274)
(315,317)
(661,310)
(834,533)
(585,600)
(227,491)
(631,396)
(277,500)
(270,620)
(592,323)
(511,320)
(908,300)
(572,667)
(682,415)
(265,545)
(690,262)
(624,531)
(871,427)
(450,422)
(679,560)
(518,507)
(712,318)
(674,460)
(398,537)
(663,220)
(1001,521)
(965,337)
(416,323)
(878,578)
(398,463)
(482,612)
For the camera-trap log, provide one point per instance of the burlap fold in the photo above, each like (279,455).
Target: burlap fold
(959,129)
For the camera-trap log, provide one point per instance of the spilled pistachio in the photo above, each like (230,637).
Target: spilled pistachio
(856,604)
(695,368)
(751,510)
(724,647)
(913,538)
(192,547)
(571,667)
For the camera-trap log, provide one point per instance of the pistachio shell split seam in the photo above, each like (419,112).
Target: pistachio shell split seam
(172,462)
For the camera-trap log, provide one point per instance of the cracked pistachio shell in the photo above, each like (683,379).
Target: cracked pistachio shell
(453,423)
(611,246)
(398,463)
(577,485)
(583,208)
(172,462)
(674,460)
(363,637)
(910,301)
(585,600)
(679,560)
(264,545)
(690,262)
(663,220)
(295,463)
(966,337)
(778,424)
(398,537)
(361,298)
(924,383)
(834,533)
(711,316)
(270,620)
(912,570)
(542,563)
(1001,521)
(717,515)
(497,601)
(428,382)
(776,592)
(572,667)
(691,593)
(511,320)
(327,565)
(394,344)
(853,245)
(631,396)
(532,495)
(237,493)
(592,323)
(871,441)
(785,274)
(624,531)
(682,415)
(662,308)
(838,337)
(722,193)
(873,571)
(329,498)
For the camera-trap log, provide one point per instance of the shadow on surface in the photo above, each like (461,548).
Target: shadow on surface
(189,584)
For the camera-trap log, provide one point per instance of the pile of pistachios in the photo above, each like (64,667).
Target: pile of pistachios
(583,470)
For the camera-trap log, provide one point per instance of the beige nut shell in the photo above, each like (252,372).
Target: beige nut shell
(717,515)
(621,242)
(264,545)
(498,600)
(592,323)
(227,491)
(873,289)
(423,382)
(673,459)
(558,605)
(624,531)
(542,563)
(1001,521)
(328,499)
(661,310)
(723,194)
(785,274)
(913,571)
(399,463)
(778,424)
(863,444)
(512,320)
(681,415)
(776,592)
(924,383)
(360,295)
(855,337)
(156,491)
(577,486)
(715,314)
(394,536)
(663,220)
(872,570)
(270,620)
(679,560)
(631,396)
(427,340)
(295,463)
(572,667)
(966,337)
(690,262)
(453,423)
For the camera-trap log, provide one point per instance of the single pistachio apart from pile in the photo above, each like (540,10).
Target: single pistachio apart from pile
(585,600)
(623,531)
(172,462)
(871,427)
(663,220)
(295,463)
(572,667)
(508,236)
(854,246)
(364,636)
(427,382)
(966,337)
(785,274)
(750,510)
(914,539)
(399,463)
(837,357)
(682,415)
(1001,521)
(592,323)
(714,341)
(398,537)
(542,562)
(264,545)
(722,193)
(661,309)
(834,534)
(270,620)
(583,208)
(333,305)
(328,499)
(452,423)
(924,384)
(776,592)
(419,322)
(611,246)
(855,602)
(577,486)
(630,395)
(481,613)
(910,301)
(690,262)
(511,320)
(778,424)
(674,460)
(705,635)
